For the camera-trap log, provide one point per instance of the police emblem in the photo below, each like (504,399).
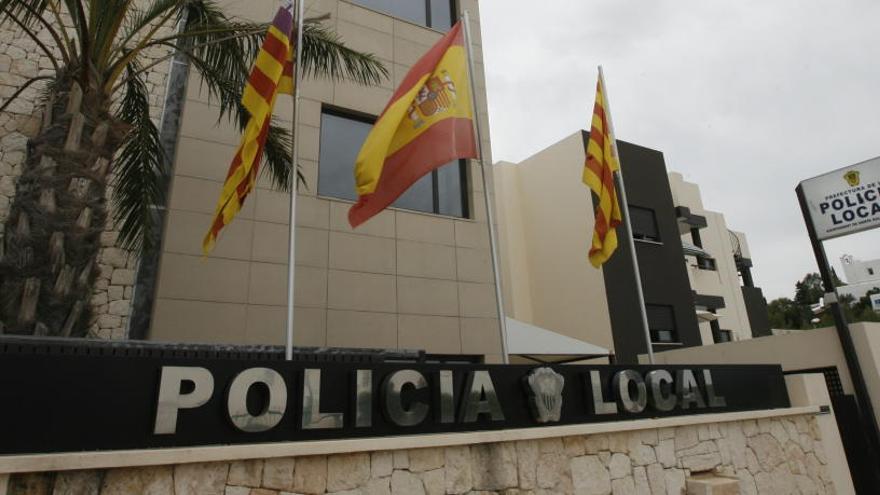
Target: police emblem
(544,387)
(437,95)
(852,178)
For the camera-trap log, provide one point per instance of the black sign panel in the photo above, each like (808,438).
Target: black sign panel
(75,403)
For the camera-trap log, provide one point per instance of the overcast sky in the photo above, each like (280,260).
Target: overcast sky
(745,98)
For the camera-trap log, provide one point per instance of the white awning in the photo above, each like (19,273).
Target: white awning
(704,315)
(693,250)
(529,340)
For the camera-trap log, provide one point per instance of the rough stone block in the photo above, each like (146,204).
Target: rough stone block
(381,464)
(77,483)
(527,462)
(310,474)
(406,482)
(620,466)
(278,473)
(458,470)
(347,471)
(203,478)
(125,481)
(494,466)
(589,476)
(246,473)
(675,481)
(712,485)
(593,444)
(425,459)
(434,481)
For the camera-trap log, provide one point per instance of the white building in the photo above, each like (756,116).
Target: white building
(861,276)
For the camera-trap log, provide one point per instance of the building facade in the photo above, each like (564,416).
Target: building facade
(861,276)
(695,272)
(418,275)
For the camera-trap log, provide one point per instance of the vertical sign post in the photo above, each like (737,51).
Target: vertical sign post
(835,204)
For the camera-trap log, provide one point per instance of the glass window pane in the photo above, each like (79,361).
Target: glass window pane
(441,14)
(420,196)
(341,139)
(381,5)
(644,223)
(449,182)
(411,10)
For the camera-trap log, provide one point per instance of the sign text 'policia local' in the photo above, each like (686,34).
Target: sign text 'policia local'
(64,403)
(631,393)
(844,201)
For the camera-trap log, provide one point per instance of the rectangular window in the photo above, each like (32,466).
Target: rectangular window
(644,223)
(718,335)
(443,191)
(706,263)
(435,14)
(661,323)
(870,271)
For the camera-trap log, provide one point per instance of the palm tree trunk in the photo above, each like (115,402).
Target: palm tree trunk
(48,259)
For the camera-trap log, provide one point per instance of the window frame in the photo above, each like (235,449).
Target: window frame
(453,10)
(365,118)
(642,238)
(674,330)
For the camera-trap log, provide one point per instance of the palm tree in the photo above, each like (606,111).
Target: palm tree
(97,132)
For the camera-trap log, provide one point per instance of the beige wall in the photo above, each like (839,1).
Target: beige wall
(799,350)
(546,219)
(402,280)
(724,281)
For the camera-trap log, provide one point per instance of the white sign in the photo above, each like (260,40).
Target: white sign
(875,302)
(846,200)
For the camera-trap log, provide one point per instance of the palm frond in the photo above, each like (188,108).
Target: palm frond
(138,19)
(138,168)
(325,55)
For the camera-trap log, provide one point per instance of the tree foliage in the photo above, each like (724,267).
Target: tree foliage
(797,313)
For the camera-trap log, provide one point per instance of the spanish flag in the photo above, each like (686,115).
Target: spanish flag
(427,123)
(270,75)
(598,175)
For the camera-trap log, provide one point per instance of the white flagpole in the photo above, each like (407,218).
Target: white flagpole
(291,248)
(624,209)
(499,302)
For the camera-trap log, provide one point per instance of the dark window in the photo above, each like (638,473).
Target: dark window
(436,14)
(661,323)
(719,335)
(644,223)
(695,236)
(706,263)
(442,191)
(870,271)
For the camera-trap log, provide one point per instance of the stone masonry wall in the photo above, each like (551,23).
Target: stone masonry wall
(21,59)
(768,456)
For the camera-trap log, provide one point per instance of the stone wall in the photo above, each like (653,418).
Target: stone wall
(20,60)
(772,456)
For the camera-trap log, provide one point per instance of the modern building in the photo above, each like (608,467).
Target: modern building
(416,276)
(691,265)
(861,276)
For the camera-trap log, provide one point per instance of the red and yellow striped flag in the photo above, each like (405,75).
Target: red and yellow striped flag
(599,170)
(270,75)
(427,123)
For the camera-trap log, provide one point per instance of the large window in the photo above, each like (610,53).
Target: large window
(442,191)
(436,14)
(661,323)
(644,224)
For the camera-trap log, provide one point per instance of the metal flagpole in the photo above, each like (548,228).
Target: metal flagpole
(291,248)
(499,302)
(624,209)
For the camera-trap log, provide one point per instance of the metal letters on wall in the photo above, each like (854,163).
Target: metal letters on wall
(136,402)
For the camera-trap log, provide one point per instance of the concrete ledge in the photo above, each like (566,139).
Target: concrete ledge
(214,453)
